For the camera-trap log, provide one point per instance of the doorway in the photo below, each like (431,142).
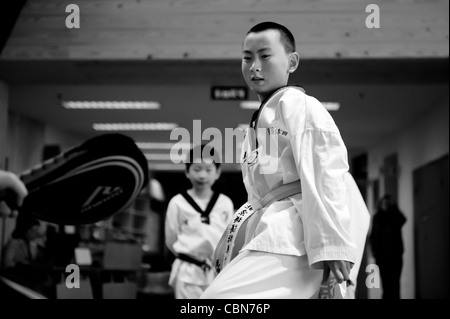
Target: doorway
(431,230)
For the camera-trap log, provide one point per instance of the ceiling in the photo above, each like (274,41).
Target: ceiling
(175,51)
(213,29)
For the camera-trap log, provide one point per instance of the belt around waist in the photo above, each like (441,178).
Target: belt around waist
(192,260)
(229,245)
(277,194)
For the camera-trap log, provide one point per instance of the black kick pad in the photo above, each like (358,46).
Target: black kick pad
(87,183)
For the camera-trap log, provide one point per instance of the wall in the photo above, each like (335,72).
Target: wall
(27,138)
(418,143)
(25,142)
(3,122)
(3,145)
(22,140)
(53,136)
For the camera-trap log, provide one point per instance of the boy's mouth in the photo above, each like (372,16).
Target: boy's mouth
(256,79)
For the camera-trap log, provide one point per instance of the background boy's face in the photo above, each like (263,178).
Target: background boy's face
(265,62)
(203,175)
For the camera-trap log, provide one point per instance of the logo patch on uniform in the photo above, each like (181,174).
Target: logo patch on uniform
(276,131)
(253,157)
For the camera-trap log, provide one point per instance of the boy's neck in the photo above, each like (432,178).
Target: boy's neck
(202,193)
(265,96)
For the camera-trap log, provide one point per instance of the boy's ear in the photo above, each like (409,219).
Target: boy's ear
(219,172)
(294,59)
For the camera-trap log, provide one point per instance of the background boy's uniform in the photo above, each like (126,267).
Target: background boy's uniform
(187,234)
(314,224)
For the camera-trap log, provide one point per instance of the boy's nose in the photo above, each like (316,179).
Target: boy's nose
(256,66)
(202,174)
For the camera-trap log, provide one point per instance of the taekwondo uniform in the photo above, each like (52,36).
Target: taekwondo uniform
(192,230)
(293,141)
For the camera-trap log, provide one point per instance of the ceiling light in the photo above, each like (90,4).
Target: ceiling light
(134,126)
(254,105)
(250,105)
(168,157)
(331,106)
(111,105)
(162,146)
(165,157)
(166,167)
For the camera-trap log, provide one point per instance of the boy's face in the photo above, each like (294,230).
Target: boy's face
(203,175)
(265,63)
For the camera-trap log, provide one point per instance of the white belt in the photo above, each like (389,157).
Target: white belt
(225,250)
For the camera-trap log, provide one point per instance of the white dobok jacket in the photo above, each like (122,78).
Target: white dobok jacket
(297,139)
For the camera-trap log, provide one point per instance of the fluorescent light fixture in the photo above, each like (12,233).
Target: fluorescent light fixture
(134,126)
(111,105)
(331,106)
(166,167)
(162,146)
(157,157)
(164,157)
(250,105)
(254,105)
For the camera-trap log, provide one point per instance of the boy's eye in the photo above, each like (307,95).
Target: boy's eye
(246,58)
(265,56)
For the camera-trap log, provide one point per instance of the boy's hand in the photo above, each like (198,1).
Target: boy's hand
(340,269)
(12,189)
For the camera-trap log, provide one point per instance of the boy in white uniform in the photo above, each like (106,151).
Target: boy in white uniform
(296,226)
(195,221)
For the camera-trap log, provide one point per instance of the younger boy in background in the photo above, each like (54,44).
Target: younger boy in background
(195,221)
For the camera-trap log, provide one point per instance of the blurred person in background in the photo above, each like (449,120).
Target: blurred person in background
(387,245)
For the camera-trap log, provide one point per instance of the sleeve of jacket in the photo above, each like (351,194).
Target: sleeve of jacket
(321,161)
(171,225)
(230,211)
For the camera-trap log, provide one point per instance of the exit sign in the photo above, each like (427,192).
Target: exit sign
(226,93)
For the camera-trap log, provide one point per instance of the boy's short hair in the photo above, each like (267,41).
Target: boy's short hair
(286,37)
(203,152)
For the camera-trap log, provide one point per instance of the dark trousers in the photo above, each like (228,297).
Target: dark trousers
(390,272)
